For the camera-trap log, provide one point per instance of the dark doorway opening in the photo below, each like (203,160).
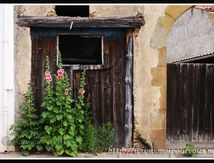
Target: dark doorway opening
(80,49)
(73,11)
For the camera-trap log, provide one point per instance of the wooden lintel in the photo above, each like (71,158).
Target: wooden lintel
(81,22)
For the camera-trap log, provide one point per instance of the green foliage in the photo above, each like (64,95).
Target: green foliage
(142,140)
(82,113)
(105,137)
(58,116)
(93,140)
(190,150)
(66,125)
(90,139)
(26,130)
(99,139)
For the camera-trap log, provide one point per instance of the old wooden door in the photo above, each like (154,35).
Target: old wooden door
(105,87)
(105,84)
(190,104)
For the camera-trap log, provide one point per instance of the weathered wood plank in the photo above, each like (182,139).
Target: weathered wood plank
(208,100)
(186,110)
(41,47)
(108,96)
(81,22)
(128,91)
(195,102)
(202,97)
(117,52)
(189,100)
(177,112)
(171,97)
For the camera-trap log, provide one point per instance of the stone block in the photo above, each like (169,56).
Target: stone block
(159,76)
(158,137)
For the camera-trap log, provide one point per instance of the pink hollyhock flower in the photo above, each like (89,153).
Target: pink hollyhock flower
(47,73)
(81,91)
(60,73)
(59,77)
(48,77)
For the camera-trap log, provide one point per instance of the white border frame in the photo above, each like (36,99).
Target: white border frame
(7,92)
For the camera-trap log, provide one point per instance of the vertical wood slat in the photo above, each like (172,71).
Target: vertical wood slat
(42,46)
(168,105)
(177,112)
(190,105)
(202,103)
(212,105)
(206,103)
(118,79)
(128,90)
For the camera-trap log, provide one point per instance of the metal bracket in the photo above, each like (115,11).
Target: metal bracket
(71,25)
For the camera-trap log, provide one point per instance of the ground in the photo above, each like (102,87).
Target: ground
(17,155)
(172,151)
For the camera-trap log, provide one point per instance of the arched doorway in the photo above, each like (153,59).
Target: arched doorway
(158,42)
(190,78)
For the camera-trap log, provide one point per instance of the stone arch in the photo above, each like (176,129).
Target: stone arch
(164,25)
(158,42)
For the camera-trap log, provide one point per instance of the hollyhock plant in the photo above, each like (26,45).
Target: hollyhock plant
(60,131)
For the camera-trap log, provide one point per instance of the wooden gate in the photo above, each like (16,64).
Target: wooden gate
(190,102)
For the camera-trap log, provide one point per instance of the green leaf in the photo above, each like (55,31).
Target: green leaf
(52,120)
(66,137)
(45,114)
(48,129)
(59,117)
(80,120)
(58,103)
(61,131)
(49,108)
(59,149)
(68,143)
(82,127)
(49,148)
(70,118)
(39,147)
(71,131)
(71,153)
(65,123)
(79,139)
